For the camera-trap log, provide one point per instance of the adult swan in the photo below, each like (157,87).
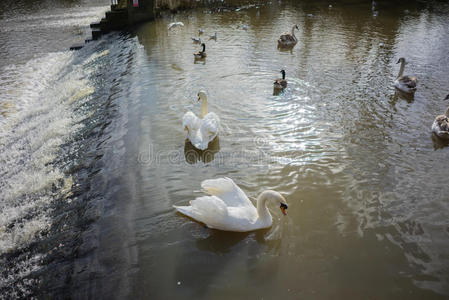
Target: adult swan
(201,131)
(228,208)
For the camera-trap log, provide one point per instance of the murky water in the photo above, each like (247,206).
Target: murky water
(365,181)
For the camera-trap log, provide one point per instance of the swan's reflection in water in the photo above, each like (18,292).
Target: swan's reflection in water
(439,143)
(277,92)
(194,155)
(409,97)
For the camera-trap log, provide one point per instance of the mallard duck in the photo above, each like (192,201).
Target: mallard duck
(201,131)
(213,37)
(287,39)
(406,84)
(441,124)
(229,209)
(201,54)
(200,31)
(280,83)
(196,40)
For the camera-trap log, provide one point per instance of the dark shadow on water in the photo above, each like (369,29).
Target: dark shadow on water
(277,92)
(439,143)
(409,97)
(199,61)
(194,155)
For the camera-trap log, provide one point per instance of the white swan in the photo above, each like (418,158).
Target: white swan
(229,209)
(201,131)
(287,39)
(405,84)
(441,124)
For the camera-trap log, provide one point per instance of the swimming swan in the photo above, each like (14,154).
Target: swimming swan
(200,54)
(280,83)
(228,208)
(201,131)
(287,39)
(405,84)
(441,124)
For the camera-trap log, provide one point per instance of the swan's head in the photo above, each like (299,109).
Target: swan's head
(202,96)
(401,60)
(447,97)
(277,199)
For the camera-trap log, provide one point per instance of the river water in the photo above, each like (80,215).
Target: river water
(93,154)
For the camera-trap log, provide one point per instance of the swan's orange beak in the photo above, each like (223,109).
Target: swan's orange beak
(283,208)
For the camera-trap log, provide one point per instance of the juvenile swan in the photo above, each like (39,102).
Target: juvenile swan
(201,131)
(406,83)
(288,40)
(228,208)
(441,124)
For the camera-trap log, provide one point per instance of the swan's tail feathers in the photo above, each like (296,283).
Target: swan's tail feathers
(185,210)
(208,210)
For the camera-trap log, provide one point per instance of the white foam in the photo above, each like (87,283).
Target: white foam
(44,96)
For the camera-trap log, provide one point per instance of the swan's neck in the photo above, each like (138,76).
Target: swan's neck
(401,70)
(203,108)
(262,209)
(293,31)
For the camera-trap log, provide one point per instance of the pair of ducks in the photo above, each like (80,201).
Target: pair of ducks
(227,207)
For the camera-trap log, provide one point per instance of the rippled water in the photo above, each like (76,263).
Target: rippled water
(365,181)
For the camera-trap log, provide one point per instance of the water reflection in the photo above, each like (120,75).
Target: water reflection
(439,143)
(194,155)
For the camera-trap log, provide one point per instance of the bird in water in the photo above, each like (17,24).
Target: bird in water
(213,37)
(406,84)
(196,40)
(200,54)
(288,40)
(201,131)
(175,24)
(228,208)
(441,124)
(200,31)
(280,83)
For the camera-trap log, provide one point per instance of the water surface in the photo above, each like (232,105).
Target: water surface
(364,179)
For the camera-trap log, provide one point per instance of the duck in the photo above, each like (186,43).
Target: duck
(200,31)
(287,39)
(201,131)
(213,37)
(280,83)
(196,40)
(440,126)
(201,54)
(228,208)
(406,84)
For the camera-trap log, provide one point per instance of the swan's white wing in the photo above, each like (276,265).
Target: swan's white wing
(209,210)
(190,121)
(209,128)
(228,191)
